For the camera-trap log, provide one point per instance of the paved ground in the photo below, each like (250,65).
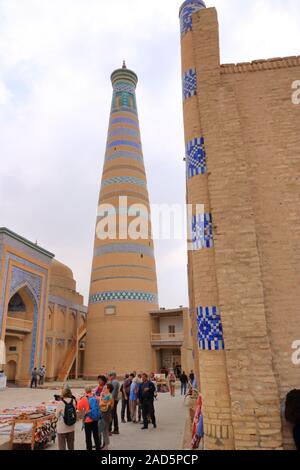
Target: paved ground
(170,414)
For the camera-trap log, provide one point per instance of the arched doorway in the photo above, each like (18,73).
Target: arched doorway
(11,371)
(19,335)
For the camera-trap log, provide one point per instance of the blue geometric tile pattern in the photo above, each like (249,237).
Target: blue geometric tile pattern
(189,84)
(210,330)
(186,11)
(202,231)
(128,143)
(124,87)
(123,180)
(123,296)
(196,157)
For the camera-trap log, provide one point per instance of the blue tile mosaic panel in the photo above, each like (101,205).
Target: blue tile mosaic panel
(202,231)
(189,84)
(124,296)
(210,330)
(188,8)
(124,87)
(196,157)
(123,180)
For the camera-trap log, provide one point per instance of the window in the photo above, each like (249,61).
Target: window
(110,310)
(172,330)
(12,349)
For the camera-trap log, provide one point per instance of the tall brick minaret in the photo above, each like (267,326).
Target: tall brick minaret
(123,281)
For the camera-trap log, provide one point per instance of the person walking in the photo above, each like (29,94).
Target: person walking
(192,377)
(34,378)
(66,420)
(106,407)
(146,397)
(115,394)
(89,406)
(172,383)
(184,380)
(125,390)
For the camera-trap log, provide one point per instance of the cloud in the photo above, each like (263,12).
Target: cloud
(56,57)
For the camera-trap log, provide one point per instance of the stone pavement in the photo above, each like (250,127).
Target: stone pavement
(170,413)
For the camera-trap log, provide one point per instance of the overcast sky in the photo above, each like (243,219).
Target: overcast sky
(56,57)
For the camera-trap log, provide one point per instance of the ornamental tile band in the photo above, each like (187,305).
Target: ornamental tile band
(124,131)
(210,330)
(186,11)
(124,248)
(202,231)
(189,84)
(123,180)
(123,296)
(196,157)
(127,143)
(124,154)
(124,120)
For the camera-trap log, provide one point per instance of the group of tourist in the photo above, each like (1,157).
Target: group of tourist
(38,376)
(98,409)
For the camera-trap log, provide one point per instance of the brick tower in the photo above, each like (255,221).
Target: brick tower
(202,276)
(123,280)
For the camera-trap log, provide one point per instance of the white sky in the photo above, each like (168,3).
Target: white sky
(56,57)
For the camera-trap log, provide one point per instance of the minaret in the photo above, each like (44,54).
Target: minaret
(123,281)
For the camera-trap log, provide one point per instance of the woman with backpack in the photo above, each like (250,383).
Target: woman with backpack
(66,416)
(89,406)
(106,407)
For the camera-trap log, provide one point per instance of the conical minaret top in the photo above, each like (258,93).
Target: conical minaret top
(123,281)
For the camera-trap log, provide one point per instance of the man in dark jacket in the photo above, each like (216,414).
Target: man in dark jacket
(125,390)
(146,397)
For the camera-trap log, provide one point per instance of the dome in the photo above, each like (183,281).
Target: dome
(61,276)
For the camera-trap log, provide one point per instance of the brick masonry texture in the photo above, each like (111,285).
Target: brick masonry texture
(252,140)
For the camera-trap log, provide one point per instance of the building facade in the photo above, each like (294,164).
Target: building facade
(171,339)
(242,157)
(40,310)
(123,280)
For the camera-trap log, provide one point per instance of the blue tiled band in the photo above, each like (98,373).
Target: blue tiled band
(202,231)
(124,131)
(124,120)
(186,11)
(123,180)
(124,248)
(189,84)
(127,143)
(196,157)
(124,296)
(210,330)
(124,154)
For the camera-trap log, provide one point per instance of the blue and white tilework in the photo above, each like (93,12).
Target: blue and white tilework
(124,120)
(123,180)
(210,330)
(196,157)
(202,231)
(186,11)
(124,87)
(123,296)
(189,84)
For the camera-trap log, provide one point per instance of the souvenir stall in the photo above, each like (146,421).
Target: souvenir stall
(30,426)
